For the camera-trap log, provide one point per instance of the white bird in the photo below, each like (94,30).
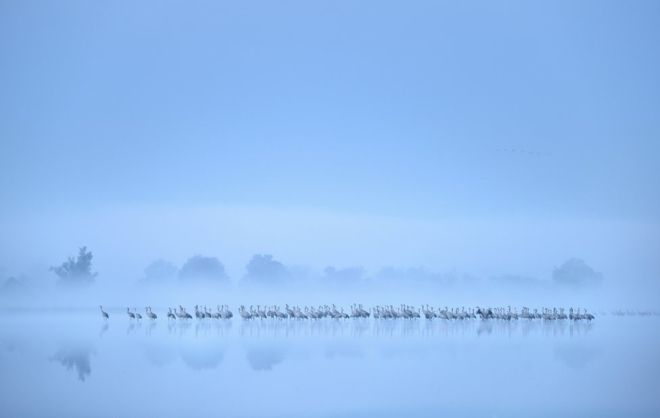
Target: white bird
(103,313)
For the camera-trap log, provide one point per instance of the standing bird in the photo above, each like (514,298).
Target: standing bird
(130,314)
(170,315)
(150,314)
(137,315)
(183,314)
(226,313)
(104,314)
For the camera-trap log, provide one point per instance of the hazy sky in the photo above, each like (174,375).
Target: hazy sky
(478,135)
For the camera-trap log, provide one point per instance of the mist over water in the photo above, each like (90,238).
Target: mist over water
(76,364)
(60,357)
(424,158)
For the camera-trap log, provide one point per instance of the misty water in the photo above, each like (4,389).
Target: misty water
(75,364)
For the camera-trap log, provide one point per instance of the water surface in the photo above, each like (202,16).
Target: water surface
(74,364)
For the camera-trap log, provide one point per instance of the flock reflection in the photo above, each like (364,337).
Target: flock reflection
(266,344)
(382,328)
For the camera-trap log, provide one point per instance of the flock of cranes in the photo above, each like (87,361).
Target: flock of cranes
(306,312)
(358,311)
(135,314)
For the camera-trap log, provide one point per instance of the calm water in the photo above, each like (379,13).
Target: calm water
(76,365)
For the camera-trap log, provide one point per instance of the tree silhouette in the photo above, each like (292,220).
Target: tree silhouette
(575,272)
(76,271)
(159,271)
(200,267)
(264,269)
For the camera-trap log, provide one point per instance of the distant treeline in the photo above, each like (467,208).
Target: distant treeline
(265,270)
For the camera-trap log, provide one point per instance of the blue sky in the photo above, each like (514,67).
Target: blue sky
(359,117)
